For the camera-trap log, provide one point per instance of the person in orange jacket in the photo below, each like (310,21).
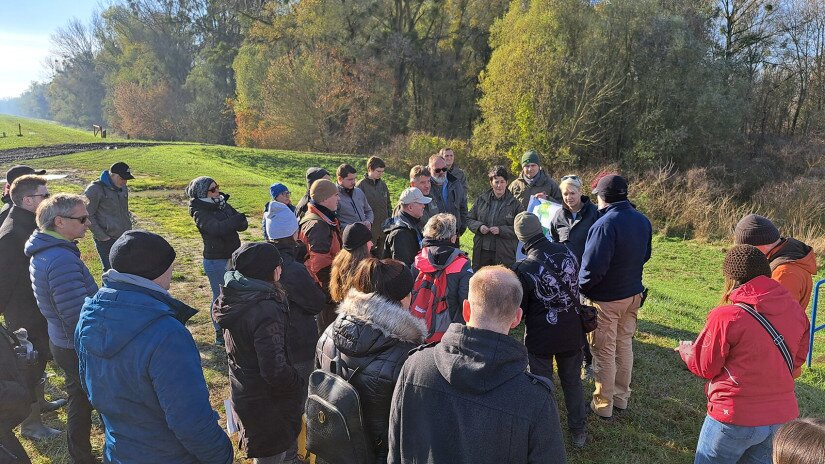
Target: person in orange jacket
(793,263)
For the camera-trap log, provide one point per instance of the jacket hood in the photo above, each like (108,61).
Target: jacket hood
(239,294)
(794,251)
(766,294)
(400,221)
(40,241)
(477,360)
(106,181)
(436,255)
(122,309)
(388,317)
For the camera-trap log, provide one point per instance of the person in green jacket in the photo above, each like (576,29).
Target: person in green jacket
(378,197)
(491,220)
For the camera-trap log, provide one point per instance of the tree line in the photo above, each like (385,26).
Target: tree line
(580,81)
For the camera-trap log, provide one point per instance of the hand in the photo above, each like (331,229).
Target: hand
(368,224)
(494,230)
(684,345)
(483,229)
(541,195)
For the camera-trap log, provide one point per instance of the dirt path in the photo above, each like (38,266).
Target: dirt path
(24,153)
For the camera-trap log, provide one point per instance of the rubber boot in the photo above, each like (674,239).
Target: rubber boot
(33,428)
(47,406)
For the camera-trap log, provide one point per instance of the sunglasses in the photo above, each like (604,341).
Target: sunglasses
(81,219)
(213,189)
(439,171)
(571,178)
(44,195)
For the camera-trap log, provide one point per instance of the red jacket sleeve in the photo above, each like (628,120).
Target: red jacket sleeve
(706,357)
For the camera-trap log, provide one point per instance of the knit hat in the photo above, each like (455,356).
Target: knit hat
(755,230)
(257,260)
(745,262)
(355,236)
(314,174)
(398,282)
(611,188)
(530,156)
(279,221)
(141,253)
(277,189)
(527,226)
(321,190)
(199,187)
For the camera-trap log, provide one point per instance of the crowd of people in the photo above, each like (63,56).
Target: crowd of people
(361,317)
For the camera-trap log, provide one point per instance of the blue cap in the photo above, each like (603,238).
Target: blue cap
(277,189)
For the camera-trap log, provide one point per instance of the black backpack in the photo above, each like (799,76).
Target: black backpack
(335,423)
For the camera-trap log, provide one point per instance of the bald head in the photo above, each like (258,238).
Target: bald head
(494,300)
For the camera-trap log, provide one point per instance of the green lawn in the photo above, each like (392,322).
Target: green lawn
(38,132)
(668,403)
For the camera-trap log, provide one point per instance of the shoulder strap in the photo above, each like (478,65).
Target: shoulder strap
(340,364)
(778,339)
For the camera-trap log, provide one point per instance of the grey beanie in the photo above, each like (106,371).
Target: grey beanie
(527,226)
(198,187)
(755,230)
(279,221)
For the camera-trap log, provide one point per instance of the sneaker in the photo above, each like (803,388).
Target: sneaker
(579,439)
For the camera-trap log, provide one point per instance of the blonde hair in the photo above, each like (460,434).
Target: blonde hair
(572,181)
(343,268)
(442,226)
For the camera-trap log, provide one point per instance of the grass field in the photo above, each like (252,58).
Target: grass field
(38,132)
(668,403)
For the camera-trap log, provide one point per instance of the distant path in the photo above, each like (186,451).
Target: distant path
(24,153)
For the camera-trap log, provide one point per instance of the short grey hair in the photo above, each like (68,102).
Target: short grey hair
(61,204)
(440,227)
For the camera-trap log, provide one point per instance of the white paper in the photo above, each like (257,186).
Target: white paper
(231,426)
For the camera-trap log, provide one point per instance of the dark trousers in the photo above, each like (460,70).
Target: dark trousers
(569,366)
(10,446)
(484,258)
(103,249)
(588,356)
(79,422)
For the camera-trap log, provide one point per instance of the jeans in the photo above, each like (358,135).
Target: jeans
(569,365)
(103,249)
(215,270)
(79,421)
(726,443)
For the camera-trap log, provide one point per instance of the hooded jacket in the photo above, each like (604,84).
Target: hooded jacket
(376,335)
(17,302)
(306,300)
(218,225)
(266,389)
(749,382)
(618,245)
(455,204)
(142,372)
(573,232)
(470,399)
(61,283)
(403,238)
(353,207)
(549,278)
(494,212)
(378,197)
(542,183)
(435,256)
(108,208)
(793,264)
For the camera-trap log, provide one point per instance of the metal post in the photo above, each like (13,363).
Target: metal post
(814,328)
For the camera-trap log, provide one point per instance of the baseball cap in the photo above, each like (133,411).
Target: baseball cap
(413,195)
(122,169)
(21,170)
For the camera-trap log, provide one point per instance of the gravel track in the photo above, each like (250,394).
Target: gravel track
(26,153)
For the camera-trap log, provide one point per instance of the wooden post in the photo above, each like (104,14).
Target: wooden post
(19,130)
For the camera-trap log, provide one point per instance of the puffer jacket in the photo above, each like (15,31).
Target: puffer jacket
(793,264)
(749,383)
(378,197)
(218,225)
(573,232)
(376,335)
(456,201)
(142,371)
(403,238)
(108,208)
(15,387)
(61,283)
(542,183)
(494,212)
(353,207)
(266,389)
(549,277)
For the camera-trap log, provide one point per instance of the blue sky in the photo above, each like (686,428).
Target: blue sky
(25,26)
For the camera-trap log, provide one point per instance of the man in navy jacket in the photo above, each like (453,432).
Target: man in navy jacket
(618,245)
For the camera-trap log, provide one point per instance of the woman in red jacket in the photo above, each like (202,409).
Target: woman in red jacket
(751,388)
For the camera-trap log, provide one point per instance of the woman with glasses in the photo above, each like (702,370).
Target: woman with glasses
(219,224)
(491,220)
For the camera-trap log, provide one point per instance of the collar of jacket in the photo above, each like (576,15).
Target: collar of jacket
(372,181)
(132,283)
(106,180)
(330,217)
(534,243)
(539,179)
(55,234)
(617,206)
(24,216)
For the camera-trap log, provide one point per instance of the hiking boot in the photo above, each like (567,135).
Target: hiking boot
(49,406)
(579,439)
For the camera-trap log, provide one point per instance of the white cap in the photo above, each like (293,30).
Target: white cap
(413,195)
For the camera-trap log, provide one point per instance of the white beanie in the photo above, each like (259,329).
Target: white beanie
(280,221)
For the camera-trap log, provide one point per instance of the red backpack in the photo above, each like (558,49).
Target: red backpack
(429,294)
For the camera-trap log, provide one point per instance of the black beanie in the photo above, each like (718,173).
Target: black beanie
(355,236)
(755,230)
(397,282)
(256,260)
(141,253)
(745,262)
(314,174)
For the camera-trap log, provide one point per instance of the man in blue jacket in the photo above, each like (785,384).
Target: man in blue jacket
(618,245)
(61,283)
(139,363)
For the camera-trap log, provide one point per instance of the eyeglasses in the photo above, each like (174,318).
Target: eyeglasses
(213,189)
(81,219)
(571,178)
(44,195)
(439,171)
